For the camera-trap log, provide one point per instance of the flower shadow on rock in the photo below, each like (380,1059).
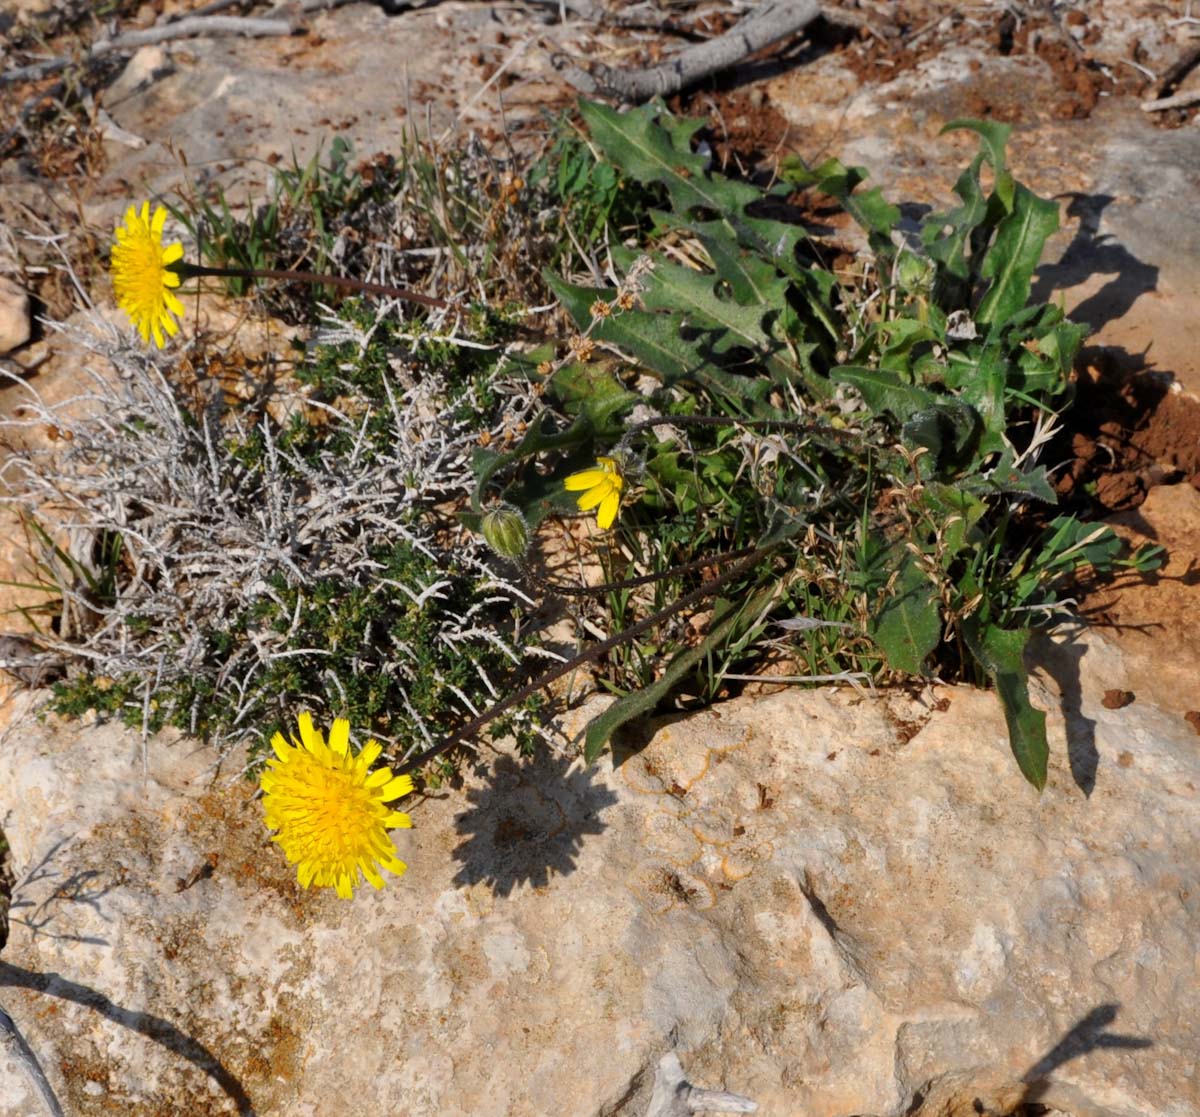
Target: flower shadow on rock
(526,825)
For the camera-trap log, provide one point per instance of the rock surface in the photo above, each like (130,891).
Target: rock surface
(14,316)
(827,903)
(1156,621)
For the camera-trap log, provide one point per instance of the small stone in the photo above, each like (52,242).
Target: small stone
(148,65)
(14,315)
(1116,699)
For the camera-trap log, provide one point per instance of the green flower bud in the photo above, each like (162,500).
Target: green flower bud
(915,273)
(506,531)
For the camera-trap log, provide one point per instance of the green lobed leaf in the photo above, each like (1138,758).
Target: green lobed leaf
(897,339)
(1001,654)
(691,296)
(993,134)
(590,390)
(657,341)
(1005,477)
(885,391)
(1014,255)
(651,338)
(984,388)
(868,207)
(909,624)
(652,146)
(949,248)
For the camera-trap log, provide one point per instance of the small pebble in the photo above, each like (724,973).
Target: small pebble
(1116,699)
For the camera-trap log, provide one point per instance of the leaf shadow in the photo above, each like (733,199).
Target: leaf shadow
(1087,1035)
(1091,253)
(59,887)
(1061,659)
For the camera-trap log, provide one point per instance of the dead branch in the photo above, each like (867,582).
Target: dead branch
(187,28)
(770,22)
(22,1054)
(1179,101)
(1177,71)
(28,663)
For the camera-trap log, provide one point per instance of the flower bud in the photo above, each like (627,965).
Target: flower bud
(915,273)
(506,532)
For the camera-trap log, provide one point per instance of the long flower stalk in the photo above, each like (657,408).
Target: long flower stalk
(287,275)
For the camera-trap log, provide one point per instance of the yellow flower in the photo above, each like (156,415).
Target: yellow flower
(329,809)
(141,279)
(600,488)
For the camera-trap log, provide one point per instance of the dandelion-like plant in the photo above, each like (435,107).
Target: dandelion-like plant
(144,272)
(330,809)
(599,488)
(142,275)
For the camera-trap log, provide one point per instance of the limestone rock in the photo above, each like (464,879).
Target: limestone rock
(14,315)
(1153,621)
(823,903)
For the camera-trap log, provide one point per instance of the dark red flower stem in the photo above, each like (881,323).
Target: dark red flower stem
(192,271)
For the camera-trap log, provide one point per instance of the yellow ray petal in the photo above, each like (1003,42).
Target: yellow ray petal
(594,496)
(395,789)
(339,736)
(586,479)
(308,733)
(607,513)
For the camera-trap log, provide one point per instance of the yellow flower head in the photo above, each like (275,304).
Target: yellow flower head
(599,488)
(141,279)
(328,808)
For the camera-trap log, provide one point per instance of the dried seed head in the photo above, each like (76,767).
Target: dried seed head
(582,347)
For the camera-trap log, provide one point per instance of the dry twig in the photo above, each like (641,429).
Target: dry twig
(187,28)
(1177,71)
(1179,101)
(770,22)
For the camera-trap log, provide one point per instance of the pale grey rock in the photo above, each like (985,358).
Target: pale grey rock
(14,315)
(825,903)
(147,65)
(675,1096)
